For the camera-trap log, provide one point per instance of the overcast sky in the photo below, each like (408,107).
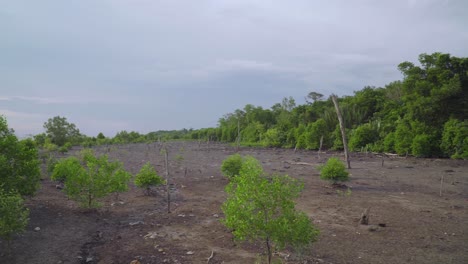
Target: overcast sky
(147,65)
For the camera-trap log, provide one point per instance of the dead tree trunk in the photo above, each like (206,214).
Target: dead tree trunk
(342,128)
(238,133)
(320,147)
(168,189)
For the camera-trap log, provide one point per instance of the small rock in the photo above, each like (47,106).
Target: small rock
(190,252)
(181,215)
(37,229)
(160,249)
(216,215)
(89,259)
(151,235)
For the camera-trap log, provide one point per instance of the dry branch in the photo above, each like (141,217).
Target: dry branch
(210,257)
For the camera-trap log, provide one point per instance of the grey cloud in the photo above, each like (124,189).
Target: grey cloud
(147,65)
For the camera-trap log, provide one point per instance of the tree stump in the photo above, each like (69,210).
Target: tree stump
(365,217)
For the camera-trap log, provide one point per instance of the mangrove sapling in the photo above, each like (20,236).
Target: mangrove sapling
(260,208)
(148,177)
(334,171)
(232,165)
(96,178)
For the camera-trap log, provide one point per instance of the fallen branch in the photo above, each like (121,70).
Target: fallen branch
(299,163)
(210,257)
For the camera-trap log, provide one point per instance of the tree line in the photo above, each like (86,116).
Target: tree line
(425,115)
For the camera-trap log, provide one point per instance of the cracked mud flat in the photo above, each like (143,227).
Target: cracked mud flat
(404,195)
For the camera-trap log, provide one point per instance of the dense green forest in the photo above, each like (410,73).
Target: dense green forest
(425,115)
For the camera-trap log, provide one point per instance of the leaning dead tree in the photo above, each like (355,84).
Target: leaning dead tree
(342,128)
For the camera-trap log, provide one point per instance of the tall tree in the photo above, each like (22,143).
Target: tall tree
(60,131)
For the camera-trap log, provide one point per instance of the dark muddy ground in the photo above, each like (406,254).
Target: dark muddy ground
(404,195)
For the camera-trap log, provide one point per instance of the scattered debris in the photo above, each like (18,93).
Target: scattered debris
(190,253)
(151,235)
(37,229)
(365,217)
(137,223)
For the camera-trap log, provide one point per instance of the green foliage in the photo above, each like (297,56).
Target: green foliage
(258,208)
(421,146)
(455,139)
(273,138)
(61,169)
(40,139)
(337,139)
(13,214)
(362,136)
(49,146)
(403,138)
(389,142)
(96,178)
(60,131)
(65,148)
(50,164)
(19,163)
(101,136)
(334,170)
(148,177)
(232,165)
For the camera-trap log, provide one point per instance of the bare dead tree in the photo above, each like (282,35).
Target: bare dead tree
(342,128)
(168,189)
(238,133)
(320,147)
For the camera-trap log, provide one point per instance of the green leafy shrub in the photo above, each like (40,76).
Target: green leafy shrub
(50,164)
(316,131)
(334,170)
(231,166)
(13,214)
(65,148)
(260,208)
(421,146)
(389,142)
(362,136)
(96,178)
(148,177)
(455,139)
(19,162)
(64,168)
(49,146)
(273,138)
